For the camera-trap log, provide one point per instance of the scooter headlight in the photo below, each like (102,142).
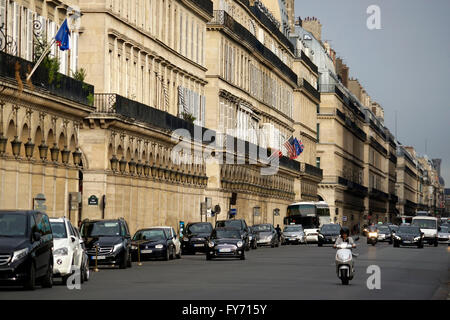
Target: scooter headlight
(373,234)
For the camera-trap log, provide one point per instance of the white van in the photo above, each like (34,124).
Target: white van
(429,226)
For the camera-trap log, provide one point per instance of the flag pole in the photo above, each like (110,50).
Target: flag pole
(44,54)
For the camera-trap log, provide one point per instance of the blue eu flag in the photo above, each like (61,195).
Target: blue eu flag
(62,37)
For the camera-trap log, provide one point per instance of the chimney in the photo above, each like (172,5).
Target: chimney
(313,25)
(343,71)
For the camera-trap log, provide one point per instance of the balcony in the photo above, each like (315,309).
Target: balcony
(377,146)
(375,127)
(352,126)
(114,104)
(311,170)
(378,194)
(333,88)
(62,86)
(205,5)
(302,55)
(223,19)
(308,87)
(353,187)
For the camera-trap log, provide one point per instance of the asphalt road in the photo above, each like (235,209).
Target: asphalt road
(287,272)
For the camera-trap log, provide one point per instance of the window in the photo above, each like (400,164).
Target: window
(318,162)
(318,132)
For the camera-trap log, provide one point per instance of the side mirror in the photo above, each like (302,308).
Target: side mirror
(73,238)
(37,236)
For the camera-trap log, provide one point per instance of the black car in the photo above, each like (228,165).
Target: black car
(328,234)
(408,236)
(225,243)
(26,249)
(108,242)
(153,243)
(384,233)
(195,236)
(239,224)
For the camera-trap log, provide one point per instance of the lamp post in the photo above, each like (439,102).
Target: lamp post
(43,150)
(16,144)
(76,156)
(114,162)
(29,149)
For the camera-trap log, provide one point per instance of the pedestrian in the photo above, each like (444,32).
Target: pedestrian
(278,229)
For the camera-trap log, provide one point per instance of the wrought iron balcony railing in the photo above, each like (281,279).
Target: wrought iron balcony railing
(378,194)
(205,5)
(353,186)
(111,103)
(308,87)
(221,18)
(311,170)
(302,55)
(12,68)
(377,146)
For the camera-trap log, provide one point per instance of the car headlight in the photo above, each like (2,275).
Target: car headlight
(211,244)
(134,247)
(239,244)
(19,254)
(397,238)
(61,252)
(373,234)
(185,239)
(250,238)
(117,247)
(417,238)
(159,246)
(321,235)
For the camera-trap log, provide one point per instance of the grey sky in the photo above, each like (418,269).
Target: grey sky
(405,66)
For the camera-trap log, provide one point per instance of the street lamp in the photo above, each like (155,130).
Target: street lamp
(3,141)
(132,166)
(147,169)
(43,149)
(65,154)
(114,162)
(29,148)
(76,156)
(122,164)
(16,144)
(54,152)
(139,167)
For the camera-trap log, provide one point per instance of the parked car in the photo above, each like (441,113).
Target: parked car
(195,237)
(226,243)
(384,233)
(239,224)
(153,243)
(171,234)
(444,235)
(430,228)
(293,234)
(328,234)
(408,236)
(26,249)
(113,240)
(67,251)
(267,235)
(253,238)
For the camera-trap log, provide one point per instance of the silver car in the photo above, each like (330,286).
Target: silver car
(293,234)
(444,235)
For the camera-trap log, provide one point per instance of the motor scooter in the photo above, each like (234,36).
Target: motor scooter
(344,262)
(372,237)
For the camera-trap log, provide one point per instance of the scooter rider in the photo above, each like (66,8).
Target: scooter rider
(344,237)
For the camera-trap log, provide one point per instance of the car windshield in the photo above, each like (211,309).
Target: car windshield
(444,229)
(330,227)
(199,228)
(59,230)
(408,229)
(101,229)
(229,223)
(293,229)
(151,235)
(261,228)
(372,228)
(13,225)
(384,229)
(425,223)
(227,234)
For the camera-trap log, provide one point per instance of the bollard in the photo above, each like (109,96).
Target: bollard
(139,253)
(96,255)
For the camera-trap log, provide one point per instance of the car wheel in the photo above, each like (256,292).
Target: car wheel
(208,257)
(172,253)
(47,280)
(123,262)
(167,256)
(319,244)
(436,243)
(178,256)
(129,263)
(30,284)
(86,272)
(344,281)
(396,245)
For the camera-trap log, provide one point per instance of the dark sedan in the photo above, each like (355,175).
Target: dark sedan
(328,234)
(153,243)
(225,243)
(408,236)
(195,237)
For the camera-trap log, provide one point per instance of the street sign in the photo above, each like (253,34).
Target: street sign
(344,218)
(39,203)
(233,212)
(276,212)
(93,201)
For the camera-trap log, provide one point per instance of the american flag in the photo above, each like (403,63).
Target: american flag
(289,145)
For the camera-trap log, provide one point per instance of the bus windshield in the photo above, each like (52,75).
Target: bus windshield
(301,210)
